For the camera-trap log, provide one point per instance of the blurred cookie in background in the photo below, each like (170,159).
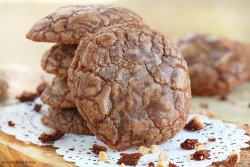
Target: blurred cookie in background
(216,65)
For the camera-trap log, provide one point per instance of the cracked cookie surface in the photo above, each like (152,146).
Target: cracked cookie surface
(57,94)
(58,58)
(71,23)
(215,65)
(131,85)
(67,120)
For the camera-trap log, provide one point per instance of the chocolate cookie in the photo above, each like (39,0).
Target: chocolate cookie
(71,23)
(3,88)
(67,120)
(131,85)
(57,60)
(57,94)
(215,65)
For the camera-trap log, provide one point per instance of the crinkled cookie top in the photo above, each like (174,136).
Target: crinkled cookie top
(131,85)
(71,23)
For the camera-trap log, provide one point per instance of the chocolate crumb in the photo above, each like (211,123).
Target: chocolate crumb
(189,144)
(194,124)
(172,165)
(204,105)
(129,159)
(201,155)
(233,159)
(41,88)
(212,139)
(151,164)
(248,145)
(96,149)
(10,123)
(37,107)
(27,96)
(224,97)
(47,137)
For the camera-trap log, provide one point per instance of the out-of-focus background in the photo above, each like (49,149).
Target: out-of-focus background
(228,18)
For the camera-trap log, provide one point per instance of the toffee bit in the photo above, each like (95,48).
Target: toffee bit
(189,144)
(10,123)
(96,149)
(47,137)
(27,96)
(194,124)
(129,159)
(200,155)
(103,156)
(37,107)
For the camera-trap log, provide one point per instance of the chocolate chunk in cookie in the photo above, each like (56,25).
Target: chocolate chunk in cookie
(3,88)
(131,85)
(67,120)
(216,65)
(57,94)
(57,60)
(70,24)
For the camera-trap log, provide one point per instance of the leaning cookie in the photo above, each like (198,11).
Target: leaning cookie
(57,94)
(3,88)
(57,59)
(131,85)
(216,65)
(71,23)
(67,120)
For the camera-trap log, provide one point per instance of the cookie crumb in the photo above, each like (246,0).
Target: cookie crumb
(129,159)
(172,165)
(161,164)
(41,87)
(10,123)
(200,155)
(189,144)
(103,156)
(233,159)
(143,150)
(151,164)
(204,105)
(211,139)
(154,148)
(50,136)
(224,97)
(122,165)
(194,124)
(162,156)
(96,149)
(27,96)
(37,107)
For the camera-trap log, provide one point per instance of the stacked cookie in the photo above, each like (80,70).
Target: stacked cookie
(128,82)
(66,26)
